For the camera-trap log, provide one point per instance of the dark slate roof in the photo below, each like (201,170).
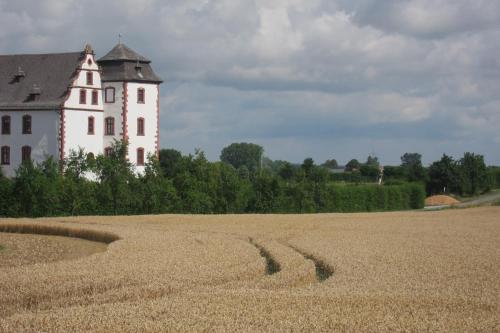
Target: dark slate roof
(124,64)
(52,73)
(122,52)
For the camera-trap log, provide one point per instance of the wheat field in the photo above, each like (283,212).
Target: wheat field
(379,272)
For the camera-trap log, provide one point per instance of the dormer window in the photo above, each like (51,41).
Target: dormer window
(90,78)
(140,95)
(34,93)
(20,74)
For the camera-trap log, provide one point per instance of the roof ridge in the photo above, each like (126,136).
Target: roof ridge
(40,54)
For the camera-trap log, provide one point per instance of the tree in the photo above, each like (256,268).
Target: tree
(308,167)
(287,171)
(330,164)
(114,172)
(352,165)
(372,161)
(473,173)
(238,154)
(169,161)
(412,165)
(443,176)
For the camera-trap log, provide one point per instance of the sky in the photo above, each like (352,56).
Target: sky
(324,79)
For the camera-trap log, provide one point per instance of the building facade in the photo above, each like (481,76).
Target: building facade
(51,104)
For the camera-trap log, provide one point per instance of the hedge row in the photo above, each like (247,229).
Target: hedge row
(368,198)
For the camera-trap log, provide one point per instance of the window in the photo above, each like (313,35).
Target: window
(108,151)
(90,126)
(90,157)
(90,78)
(83,96)
(140,95)
(89,62)
(140,126)
(6,125)
(95,97)
(26,154)
(27,124)
(109,95)
(140,156)
(5,160)
(109,126)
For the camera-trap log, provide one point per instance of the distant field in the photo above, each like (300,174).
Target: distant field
(403,271)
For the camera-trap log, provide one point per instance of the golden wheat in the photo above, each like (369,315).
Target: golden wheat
(400,272)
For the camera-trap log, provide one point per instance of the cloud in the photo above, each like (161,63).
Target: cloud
(303,78)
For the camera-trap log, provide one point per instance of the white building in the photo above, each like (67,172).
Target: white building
(51,104)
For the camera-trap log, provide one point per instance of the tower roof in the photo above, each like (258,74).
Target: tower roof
(122,52)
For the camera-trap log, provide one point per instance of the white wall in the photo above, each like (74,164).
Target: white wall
(43,138)
(76,115)
(113,110)
(148,111)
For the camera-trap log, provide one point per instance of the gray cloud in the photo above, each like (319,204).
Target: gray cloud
(302,77)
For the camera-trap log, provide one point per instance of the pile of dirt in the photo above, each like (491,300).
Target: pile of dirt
(439,200)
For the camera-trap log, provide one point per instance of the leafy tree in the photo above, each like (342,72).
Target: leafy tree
(114,172)
(352,165)
(443,176)
(239,154)
(372,161)
(370,171)
(169,161)
(473,173)
(330,164)
(412,165)
(287,171)
(308,167)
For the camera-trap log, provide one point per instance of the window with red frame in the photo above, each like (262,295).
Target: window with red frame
(27,124)
(141,96)
(26,154)
(6,125)
(5,159)
(90,78)
(90,126)
(140,126)
(83,96)
(109,126)
(95,97)
(109,95)
(140,156)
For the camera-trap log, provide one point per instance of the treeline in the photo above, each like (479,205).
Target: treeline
(177,183)
(466,176)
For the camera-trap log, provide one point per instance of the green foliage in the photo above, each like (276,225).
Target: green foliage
(352,165)
(330,164)
(238,154)
(412,166)
(169,161)
(443,176)
(473,174)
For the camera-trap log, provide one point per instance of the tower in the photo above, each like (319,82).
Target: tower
(131,96)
